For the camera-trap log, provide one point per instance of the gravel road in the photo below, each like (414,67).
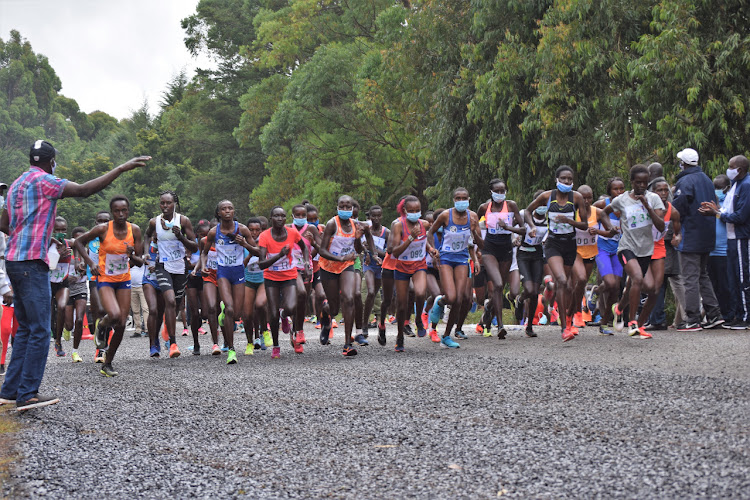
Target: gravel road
(595,417)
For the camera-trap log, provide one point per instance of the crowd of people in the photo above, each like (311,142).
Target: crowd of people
(268,274)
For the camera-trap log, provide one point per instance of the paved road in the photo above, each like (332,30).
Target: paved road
(598,416)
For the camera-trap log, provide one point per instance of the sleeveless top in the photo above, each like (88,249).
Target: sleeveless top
(529,244)
(228,253)
(660,249)
(494,233)
(150,261)
(605,243)
(413,258)
(341,244)
(456,237)
(585,241)
(560,231)
(171,250)
(63,269)
(380,245)
(297,256)
(114,264)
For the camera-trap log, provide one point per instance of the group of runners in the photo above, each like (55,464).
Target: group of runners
(273,273)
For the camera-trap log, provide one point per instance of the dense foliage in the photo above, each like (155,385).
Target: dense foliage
(380,98)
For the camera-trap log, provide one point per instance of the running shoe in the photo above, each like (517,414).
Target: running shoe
(100,338)
(224,348)
(75,357)
(618,321)
(215,350)
(154,351)
(276,353)
(461,335)
(421,332)
(285,325)
(501,332)
(578,320)
(231,357)
(434,336)
(267,340)
(334,324)
(408,331)
(425,317)
(399,348)
(633,328)
(436,312)
(567,335)
(361,340)
(249,350)
(135,334)
(349,351)
(317,325)
(530,331)
(99,356)
(256,344)
(239,326)
(301,337)
(487,332)
(108,371)
(66,334)
(174,351)
(4,401)
(184,332)
(643,334)
(36,402)
(373,324)
(449,343)
(690,327)
(59,351)
(479,329)
(392,319)
(381,334)
(299,348)
(712,323)
(325,333)
(737,324)
(573,327)
(554,316)
(605,330)
(202,331)
(366,331)
(196,350)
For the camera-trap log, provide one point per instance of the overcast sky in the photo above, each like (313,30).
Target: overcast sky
(109,55)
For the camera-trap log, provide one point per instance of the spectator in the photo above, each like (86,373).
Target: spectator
(29,219)
(735,212)
(692,188)
(138,303)
(717,259)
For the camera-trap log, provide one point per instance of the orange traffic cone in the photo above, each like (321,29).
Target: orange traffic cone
(86,331)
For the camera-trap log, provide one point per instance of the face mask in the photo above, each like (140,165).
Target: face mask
(461,206)
(413,217)
(720,195)
(54,167)
(314,223)
(2,202)
(564,188)
(60,236)
(541,211)
(345,214)
(732,173)
(497,197)
(300,222)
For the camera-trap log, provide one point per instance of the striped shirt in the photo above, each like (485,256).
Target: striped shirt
(32,207)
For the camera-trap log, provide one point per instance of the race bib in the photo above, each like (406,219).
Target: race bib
(541,232)
(211,260)
(171,250)
(282,264)
(559,227)
(116,264)
(584,239)
(636,216)
(58,274)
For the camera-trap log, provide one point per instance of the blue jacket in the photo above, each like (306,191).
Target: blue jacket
(741,216)
(698,231)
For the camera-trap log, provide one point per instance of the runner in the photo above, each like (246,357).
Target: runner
(338,250)
(280,273)
(531,263)
(642,211)
(310,238)
(409,245)
(230,237)
(320,304)
(659,258)
(119,240)
(59,283)
(587,251)
(374,260)
(96,310)
(388,282)
(459,226)
(194,288)
(210,295)
(560,246)
(502,220)
(254,309)
(76,307)
(173,234)
(433,311)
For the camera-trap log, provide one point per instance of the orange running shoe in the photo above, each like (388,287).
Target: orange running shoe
(434,336)
(174,351)
(301,337)
(334,325)
(578,320)
(567,335)
(643,333)
(479,329)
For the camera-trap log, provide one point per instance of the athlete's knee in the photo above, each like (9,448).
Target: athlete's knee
(561,282)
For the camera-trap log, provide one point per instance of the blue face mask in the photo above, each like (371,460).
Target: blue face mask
(413,217)
(314,223)
(720,195)
(541,210)
(300,222)
(498,197)
(564,188)
(345,214)
(461,206)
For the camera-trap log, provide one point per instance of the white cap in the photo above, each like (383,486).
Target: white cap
(688,156)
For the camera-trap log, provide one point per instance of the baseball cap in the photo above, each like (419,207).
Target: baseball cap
(41,151)
(688,156)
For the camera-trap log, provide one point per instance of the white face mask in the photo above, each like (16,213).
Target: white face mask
(732,173)
(54,167)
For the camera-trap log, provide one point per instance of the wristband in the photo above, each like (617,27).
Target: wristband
(411,238)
